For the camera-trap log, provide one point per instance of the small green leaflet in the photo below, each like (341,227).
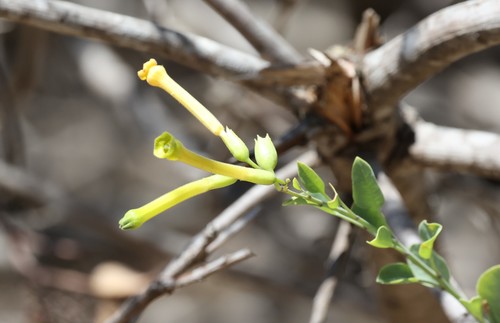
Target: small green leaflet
(396,273)
(428,232)
(310,180)
(383,239)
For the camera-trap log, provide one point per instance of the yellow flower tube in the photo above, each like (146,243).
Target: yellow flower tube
(168,147)
(136,217)
(156,75)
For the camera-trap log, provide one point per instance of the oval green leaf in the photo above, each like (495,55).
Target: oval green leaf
(365,190)
(488,287)
(311,181)
(397,273)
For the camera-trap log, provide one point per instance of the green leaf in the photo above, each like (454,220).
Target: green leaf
(397,273)
(488,287)
(475,307)
(295,201)
(374,217)
(333,204)
(366,193)
(435,262)
(428,233)
(383,239)
(365,190)
(310,179)
(296,184)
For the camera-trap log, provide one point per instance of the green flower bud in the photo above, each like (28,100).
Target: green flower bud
(235,145)
(265,153)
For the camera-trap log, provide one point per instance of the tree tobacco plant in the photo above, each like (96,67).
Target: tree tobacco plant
(423,264)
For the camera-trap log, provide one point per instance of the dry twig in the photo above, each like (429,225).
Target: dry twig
(323,297)
(68,18)
(400,65)
(261,35)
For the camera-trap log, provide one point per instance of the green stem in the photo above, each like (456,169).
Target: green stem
(443,283)
(365,224)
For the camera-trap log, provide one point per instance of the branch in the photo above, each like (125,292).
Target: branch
(71,19)
(217,232)
(132,308)
(263,37)
(336,259)
(400,65)
(16,184)
(212,267)
(467,151)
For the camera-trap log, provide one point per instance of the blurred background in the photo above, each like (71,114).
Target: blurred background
(77,129)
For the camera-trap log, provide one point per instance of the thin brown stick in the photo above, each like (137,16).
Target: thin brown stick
(271,45)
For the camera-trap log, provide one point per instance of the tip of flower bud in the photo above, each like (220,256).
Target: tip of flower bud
(131,220)
(265,153)
(143,74)
(235,145)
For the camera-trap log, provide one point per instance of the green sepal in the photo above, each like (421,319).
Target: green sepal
(383,239)
(428,232)
(396,273)
(488,288)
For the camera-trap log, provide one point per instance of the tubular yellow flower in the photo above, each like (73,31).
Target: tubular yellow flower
(168,147)
(156,75)
(136,217)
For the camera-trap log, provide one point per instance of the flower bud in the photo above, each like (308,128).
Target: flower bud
(235,145)
(265,153)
